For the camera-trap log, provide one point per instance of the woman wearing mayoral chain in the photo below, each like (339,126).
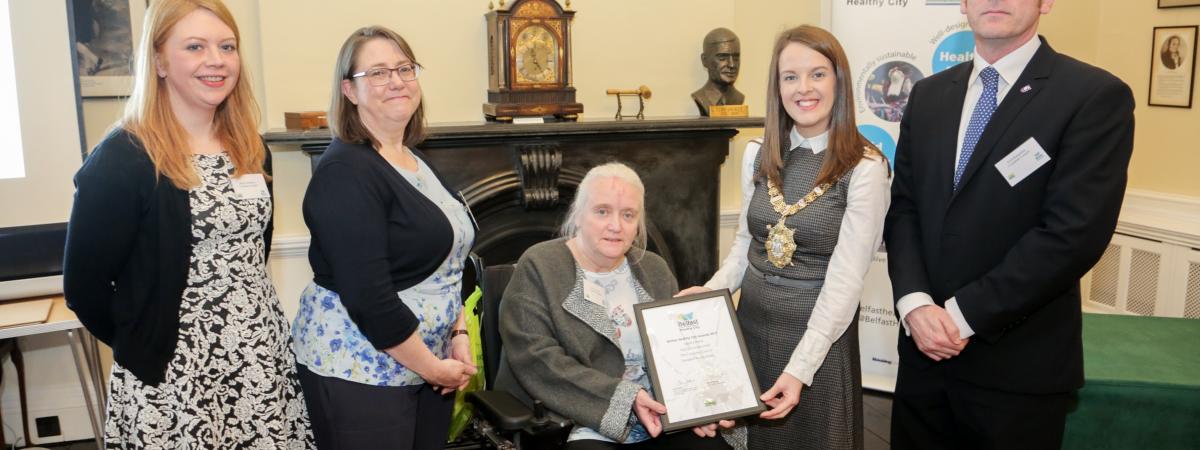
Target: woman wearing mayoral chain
(814,194)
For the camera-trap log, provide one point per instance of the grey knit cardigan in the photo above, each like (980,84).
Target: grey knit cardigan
(562,349)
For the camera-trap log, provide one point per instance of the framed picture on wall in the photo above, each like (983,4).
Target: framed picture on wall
(1177,3)
(106,32)
(1173,66)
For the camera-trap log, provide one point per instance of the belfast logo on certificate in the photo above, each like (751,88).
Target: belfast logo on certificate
(697,359)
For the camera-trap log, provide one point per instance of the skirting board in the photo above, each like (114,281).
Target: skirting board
(290,246)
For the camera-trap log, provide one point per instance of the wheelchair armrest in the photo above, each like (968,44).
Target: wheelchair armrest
(503,416)
(503,410)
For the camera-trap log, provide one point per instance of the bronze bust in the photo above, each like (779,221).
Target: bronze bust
(721,57)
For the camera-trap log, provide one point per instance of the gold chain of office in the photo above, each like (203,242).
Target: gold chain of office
(781,241)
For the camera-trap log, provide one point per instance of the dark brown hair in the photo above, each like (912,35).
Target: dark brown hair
(846,145)
(344,122)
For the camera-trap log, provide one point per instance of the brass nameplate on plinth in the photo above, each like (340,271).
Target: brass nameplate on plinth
(729,111)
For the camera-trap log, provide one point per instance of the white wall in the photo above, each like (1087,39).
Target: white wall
(45,96)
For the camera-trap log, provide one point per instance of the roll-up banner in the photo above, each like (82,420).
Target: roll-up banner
(891,45)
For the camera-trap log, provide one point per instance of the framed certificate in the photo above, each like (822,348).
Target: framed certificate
(697,359)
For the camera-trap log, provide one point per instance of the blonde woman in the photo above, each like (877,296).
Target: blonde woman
(167,247)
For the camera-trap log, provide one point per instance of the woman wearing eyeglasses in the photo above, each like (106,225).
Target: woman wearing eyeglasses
(379,337)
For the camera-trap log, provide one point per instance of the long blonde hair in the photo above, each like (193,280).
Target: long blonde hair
(149,117)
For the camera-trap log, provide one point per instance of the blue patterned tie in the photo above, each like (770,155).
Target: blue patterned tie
(979,119)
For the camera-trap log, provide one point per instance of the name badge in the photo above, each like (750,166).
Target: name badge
(467,206)
(1024,160)
(593,292)
(250,186)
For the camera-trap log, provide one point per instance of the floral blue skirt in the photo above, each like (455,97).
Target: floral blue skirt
(328,343)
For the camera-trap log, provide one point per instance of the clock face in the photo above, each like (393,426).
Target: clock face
(537,56)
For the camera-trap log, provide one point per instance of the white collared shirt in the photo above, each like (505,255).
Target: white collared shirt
(1010,67)
(859,236)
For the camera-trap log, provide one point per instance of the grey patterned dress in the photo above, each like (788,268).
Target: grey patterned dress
(774,318)
(232,382)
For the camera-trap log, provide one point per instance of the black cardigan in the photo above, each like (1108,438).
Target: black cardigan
(373,235)
(129,245)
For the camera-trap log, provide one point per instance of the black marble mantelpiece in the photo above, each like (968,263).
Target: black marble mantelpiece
(519,179)
(485,130)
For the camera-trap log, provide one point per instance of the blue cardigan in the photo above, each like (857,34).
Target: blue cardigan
(373,235)
(129,245)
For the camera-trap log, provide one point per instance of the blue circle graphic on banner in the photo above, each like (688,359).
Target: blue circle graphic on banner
(882,139)
(954,49)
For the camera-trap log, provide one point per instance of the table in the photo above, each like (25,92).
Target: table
(84,350)
(1142,387)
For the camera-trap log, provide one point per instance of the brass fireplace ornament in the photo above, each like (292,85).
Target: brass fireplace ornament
(642,93)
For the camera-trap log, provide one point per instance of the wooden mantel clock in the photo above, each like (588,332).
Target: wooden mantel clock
(529,62)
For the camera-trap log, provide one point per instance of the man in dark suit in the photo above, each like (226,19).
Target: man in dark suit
(1010,172)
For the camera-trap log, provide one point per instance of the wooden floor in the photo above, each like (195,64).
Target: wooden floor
(877,420)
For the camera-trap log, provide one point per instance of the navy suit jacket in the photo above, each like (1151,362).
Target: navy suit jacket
(1011,255)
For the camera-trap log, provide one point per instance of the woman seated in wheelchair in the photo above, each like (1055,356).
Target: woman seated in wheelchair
(570,335)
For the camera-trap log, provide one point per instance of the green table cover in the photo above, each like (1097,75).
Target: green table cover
(1142,384)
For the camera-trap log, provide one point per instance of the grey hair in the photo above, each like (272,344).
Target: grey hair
(616,170)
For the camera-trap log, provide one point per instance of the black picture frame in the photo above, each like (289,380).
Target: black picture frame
(731,315)
(1164,4)
(1172,66)
(106,35)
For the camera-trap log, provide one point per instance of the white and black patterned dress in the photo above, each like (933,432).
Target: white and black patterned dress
(232,382)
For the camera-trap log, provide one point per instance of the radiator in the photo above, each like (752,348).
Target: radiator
(1146,277)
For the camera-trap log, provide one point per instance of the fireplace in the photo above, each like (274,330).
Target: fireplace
(520,179)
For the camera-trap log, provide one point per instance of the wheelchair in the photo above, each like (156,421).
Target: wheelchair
(501,421)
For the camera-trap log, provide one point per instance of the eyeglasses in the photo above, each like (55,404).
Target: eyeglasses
(379,76)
